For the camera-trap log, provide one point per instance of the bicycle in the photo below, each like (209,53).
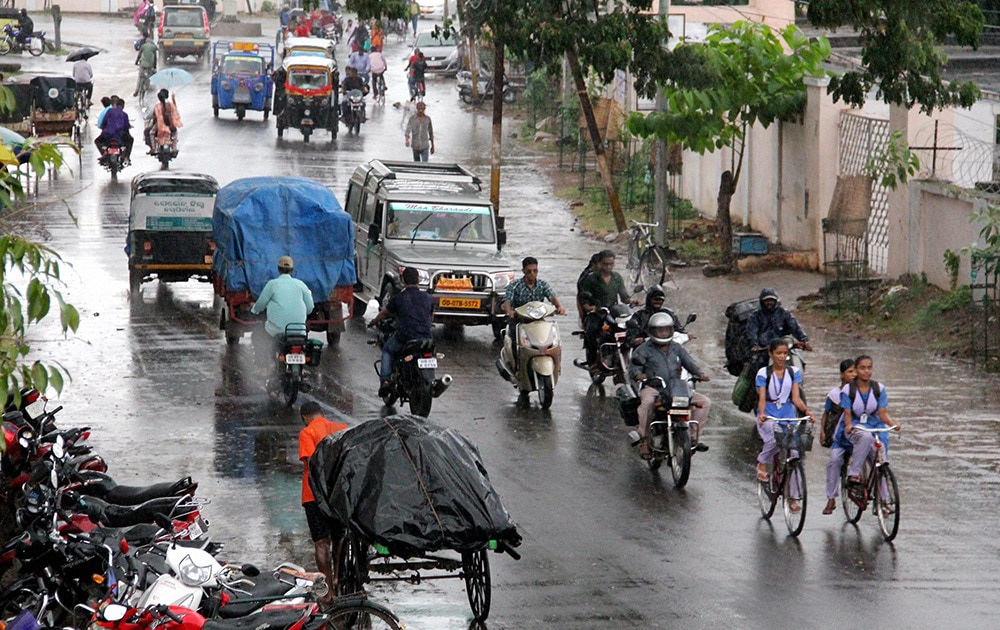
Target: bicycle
(143,88)
(885,502)
(647,261)
(788,478)
(378,88)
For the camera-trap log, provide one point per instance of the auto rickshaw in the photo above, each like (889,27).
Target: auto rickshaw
(241,77)
(170,228)
(315,46)
(310,99)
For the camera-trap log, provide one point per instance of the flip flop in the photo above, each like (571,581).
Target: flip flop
(794,506)
(762,475)
(830,507)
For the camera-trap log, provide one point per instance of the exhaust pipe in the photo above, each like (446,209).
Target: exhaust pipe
(440,385)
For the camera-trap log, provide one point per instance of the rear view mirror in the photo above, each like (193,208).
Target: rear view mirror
(691,318)
(501,238)
(373,231)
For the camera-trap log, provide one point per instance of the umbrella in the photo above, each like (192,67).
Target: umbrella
(171,77)
(11,138)
(82,53)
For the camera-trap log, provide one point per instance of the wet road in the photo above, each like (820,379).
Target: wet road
(606,544)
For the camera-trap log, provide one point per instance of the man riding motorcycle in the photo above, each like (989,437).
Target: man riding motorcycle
(635,329)
(604,287)
(412,310)
(115,125)
(523,290)
(351,82)
(287,300)
(769,322)
(25,27)
(660,356)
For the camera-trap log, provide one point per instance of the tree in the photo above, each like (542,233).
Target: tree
(901,49)
(29,283)
(716,91)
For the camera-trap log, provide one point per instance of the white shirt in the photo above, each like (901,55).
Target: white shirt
(82,72)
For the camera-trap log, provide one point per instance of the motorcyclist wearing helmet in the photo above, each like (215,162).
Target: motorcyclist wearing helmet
(660,356)
(286,300)
(771,321)
(25,27)
(635,329)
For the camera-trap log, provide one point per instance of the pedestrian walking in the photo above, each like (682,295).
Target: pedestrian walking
(414,15)
(317,427)
(420,134)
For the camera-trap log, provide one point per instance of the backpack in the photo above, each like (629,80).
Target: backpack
(737,341)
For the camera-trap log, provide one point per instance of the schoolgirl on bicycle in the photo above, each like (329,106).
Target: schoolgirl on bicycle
(778,396)
(840,446)
(869,407)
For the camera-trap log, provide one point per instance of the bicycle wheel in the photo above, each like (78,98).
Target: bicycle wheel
(767,495)
(887,507)
(680,457)
(632,262)
(352,568)
(794,489)
(476,571)
(361,615)
(652,267)
(851,509)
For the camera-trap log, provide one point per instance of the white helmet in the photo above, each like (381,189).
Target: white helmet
(661,328)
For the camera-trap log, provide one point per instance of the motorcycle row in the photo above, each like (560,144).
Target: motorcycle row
(84,551)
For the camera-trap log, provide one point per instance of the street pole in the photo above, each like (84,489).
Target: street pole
(660,176)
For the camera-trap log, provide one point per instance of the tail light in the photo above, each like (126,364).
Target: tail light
(32,396)
(204,19)
(296,350)
(211,247)
(160,29)
(147,248)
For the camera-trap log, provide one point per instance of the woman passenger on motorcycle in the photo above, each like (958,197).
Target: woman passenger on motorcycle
(840,448)
(778,396)
(660,356)
(635,329)
(865,410)
(166,121)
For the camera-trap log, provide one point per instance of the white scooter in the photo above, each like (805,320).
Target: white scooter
(539,353)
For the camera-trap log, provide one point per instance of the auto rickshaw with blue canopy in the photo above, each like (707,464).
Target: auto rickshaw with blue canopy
(241,77)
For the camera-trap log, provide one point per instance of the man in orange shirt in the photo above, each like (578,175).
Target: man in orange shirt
(317,428)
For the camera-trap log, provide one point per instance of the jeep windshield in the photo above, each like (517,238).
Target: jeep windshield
(440,222)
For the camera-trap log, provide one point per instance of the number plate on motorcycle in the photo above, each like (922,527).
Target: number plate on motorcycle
(619,336)
(459,303)
(424,364)
(195,530)
(35,409)
(295,359)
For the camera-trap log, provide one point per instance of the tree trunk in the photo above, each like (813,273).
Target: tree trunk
(498,75)
(595,136)
(723,221)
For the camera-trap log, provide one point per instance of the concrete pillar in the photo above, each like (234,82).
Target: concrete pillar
(820,157)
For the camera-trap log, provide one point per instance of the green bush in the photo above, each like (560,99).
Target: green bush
(268,7)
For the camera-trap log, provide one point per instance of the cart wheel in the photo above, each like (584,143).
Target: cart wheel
(476,570)
(352,566)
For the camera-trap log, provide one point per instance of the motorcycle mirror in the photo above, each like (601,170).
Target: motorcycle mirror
(114,612)
(501,238)
(691,318)
(54,478)
(59,447)
(250,570)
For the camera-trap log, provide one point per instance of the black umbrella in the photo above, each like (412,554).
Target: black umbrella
(82,53)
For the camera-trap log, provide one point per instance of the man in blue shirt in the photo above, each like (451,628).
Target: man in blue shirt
(286,300)
(412,310)
(115,125)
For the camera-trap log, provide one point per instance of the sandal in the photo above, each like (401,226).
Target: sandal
(762,475)
(794,506)
(831,505)
(644,448)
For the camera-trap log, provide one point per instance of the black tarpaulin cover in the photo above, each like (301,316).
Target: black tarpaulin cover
(411,485)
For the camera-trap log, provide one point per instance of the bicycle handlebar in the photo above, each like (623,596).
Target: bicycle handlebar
(634,222)
(796,420)
(871,430)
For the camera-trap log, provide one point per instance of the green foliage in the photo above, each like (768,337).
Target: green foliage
(681,208)
(987,255)
(540,91)
(894,163)
(740,76)
(29,285)
(951,263)
(901,49)
(372,9)
(267,7)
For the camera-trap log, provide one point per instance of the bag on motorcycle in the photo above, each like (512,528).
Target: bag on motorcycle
(314,351)
(628,405)
(744,392)
(737,341)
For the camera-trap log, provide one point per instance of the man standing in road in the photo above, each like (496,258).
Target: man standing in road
(420,134)
(287,300)
(316,429)
(523,290)
(413,310)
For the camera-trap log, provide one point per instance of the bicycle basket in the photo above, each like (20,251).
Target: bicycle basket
(789,437)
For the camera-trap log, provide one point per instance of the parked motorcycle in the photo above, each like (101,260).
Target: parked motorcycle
(34,43)
(485,91)
(354,110)
(538,353)
(295,350)
(614,351)
(413,377)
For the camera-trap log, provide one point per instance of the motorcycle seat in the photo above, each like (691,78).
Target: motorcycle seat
(135,495)
(417,345)
(265,586)
(276,618)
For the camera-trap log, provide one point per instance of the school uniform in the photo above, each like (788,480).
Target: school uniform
(864,406)
(778,404)
(839,449)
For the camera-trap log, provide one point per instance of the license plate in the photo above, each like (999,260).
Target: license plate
(425,364)
(35,409)
(295,359)
(619,336)
(459,303)
(194,529)
(185,36)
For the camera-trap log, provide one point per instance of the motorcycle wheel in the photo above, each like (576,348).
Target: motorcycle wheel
(281,130)
(4,46)
(509,96)
(545,391)
(164,158)
(420,401)
(466,98)
(36,47)
(305,135)
(390,399)
(291,387)
(680,457)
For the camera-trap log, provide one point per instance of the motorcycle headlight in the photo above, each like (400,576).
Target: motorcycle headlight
(193,575)
(306,112)
(681,401)
(502,279)
(536,312)
(226,85)
(258,87)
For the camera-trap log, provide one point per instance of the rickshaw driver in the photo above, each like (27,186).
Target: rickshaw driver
(413,310)
(287,300)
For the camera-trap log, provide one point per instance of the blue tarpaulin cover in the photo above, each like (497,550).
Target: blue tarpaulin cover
(259,219)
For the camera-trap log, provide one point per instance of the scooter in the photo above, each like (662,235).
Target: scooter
(539,353)
(354,112)
(485,91)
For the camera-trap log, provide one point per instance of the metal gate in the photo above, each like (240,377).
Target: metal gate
(861,138)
